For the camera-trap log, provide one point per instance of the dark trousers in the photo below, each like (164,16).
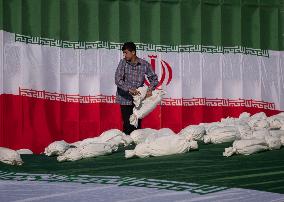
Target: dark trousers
(126,111)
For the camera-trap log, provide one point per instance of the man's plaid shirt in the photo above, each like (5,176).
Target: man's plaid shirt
(129,76)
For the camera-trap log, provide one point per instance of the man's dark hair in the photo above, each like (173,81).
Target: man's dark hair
(129,46)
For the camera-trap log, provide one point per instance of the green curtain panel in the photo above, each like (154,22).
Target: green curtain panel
(249,23)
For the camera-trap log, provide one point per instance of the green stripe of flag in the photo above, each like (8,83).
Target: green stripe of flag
(249,23)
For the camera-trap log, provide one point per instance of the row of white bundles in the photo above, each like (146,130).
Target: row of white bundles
(143,105)
(106,143)
(161,142)
(260,141)
(12,157)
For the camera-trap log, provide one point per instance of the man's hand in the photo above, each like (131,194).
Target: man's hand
(134,92)
(149,93)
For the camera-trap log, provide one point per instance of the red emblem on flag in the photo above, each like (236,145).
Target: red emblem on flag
(164,66)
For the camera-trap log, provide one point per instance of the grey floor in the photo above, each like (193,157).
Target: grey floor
(21,191)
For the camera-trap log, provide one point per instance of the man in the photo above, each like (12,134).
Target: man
(130,75)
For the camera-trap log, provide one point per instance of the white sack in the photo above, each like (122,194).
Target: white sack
(147,106)
(168,145)
(10,156)
(222,134)
(95,149)
(193,132)
(24,151)
(72,154)
(56,148)
(246,147)
(140,135)
(276,121)
(137,99)
(273,142)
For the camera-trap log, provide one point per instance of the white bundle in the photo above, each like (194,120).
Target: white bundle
(229,121)
(211,126)
(160,133)
(222,134)
(246,147)
(95,149)
(10,156)
(113,137)
(75,144)
(88,141)
(244,116)
(273,142)
(140,135)
(258,121)
(244,130)
(276,121)
(147,106)
(72,154)
(276,133)
(168,145)
(24,151)
(56,148)
(137,99)
(259,134)
(193,132)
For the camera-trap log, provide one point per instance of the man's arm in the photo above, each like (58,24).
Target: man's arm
(119,74)
(153,79)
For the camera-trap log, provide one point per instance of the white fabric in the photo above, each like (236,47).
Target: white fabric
(273,142)
(24,151)
(95,149)
(56,148)
(140,135)
(72,154)
(160,133)
(147,106)
(276,133)
(246,147)
(276,121)
(137,99)
(193,132)
(113,137)
(211,126)
(10,156)
(244,130)
(168,145)
(222,134)
(244,115)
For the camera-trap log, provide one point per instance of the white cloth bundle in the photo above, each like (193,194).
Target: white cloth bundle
(113,137)
(273,142)
(222,134)
(160,133)
(276,121)
(24,151)
(244,130)
(258,121)
(211,126)
(276,133)
(56,148)
(193,132)
(137,99)
(95,149)
(10,156)
(72,154)
(246,147)
(244,116)
(140,135)
(147,106)
(168,145)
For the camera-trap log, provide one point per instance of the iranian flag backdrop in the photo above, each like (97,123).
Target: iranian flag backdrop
(214,58)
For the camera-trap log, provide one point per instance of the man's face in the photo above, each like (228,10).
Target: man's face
(128,55)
